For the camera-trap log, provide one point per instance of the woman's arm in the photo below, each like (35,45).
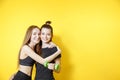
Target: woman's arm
(27,50)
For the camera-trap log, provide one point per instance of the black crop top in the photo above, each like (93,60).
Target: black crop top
(28,61)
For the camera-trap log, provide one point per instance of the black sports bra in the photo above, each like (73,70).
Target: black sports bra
(28,61)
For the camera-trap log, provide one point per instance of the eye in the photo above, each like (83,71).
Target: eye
(42,33)
(34,33)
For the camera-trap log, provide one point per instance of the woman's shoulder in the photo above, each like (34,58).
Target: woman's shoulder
(25,47)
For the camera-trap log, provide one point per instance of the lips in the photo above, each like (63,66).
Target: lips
(44,40)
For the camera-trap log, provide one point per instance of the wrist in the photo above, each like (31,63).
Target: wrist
(46,64)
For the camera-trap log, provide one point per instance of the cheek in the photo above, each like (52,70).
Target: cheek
(32,37)
(49,37)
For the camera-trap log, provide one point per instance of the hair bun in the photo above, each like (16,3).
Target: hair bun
(48,22)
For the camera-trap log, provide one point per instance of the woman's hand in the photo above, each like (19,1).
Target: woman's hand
(58,49)
(51,66)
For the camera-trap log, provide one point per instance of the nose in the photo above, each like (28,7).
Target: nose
(45,36)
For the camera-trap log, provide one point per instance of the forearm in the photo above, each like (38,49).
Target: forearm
(57,66)
(53,56)
(41,60)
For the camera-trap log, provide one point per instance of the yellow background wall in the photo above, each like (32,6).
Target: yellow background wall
(87,31)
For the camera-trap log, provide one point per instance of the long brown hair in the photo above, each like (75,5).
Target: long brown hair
(26,40)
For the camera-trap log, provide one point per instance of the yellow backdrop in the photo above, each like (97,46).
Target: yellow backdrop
(87,31)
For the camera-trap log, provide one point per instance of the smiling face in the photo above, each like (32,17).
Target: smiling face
(46,35)
(35,37)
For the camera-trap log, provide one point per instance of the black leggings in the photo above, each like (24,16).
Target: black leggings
(21,76)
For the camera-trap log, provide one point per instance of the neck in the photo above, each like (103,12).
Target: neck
(44,45)
(31,45)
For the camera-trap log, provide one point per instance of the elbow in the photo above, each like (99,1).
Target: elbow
(59,51)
